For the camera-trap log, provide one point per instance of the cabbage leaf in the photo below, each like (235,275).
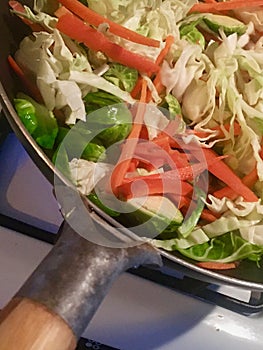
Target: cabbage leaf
(224,249)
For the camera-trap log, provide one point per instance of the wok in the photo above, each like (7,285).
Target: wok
(65,290)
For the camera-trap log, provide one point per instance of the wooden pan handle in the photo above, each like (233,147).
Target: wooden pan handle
(28,325)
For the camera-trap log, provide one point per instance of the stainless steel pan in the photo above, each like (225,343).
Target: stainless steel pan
(79,286)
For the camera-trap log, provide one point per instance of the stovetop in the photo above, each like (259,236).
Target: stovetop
(137,313)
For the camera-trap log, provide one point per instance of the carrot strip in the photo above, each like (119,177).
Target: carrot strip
(160,153)
(147,187)
(158,83)
(96,19)
(28,84)
(179,201)
(184,202)
(225,192)
(62,10)
(158,86)
(224,5)
(249,180)
(172,181)
(166,137)
(168,43)
(216,265)
(187,173)
(221,170)
(157,80)
(207,215)
(137,88)
(144,135)
(75,28)
(128,149)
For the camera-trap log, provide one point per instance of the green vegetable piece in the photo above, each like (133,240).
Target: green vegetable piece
(211,23)
(94,152)
(158,213)
(62,132)
(110,114)
(173,106)
(94,199)
(258,125)
(81,144)
(109,124)
(124,77)
(114,134)
(26,112)
(189,224)
(228,24)
(226,248)
(46,129)
(195,237)
(192,34)
(99,99)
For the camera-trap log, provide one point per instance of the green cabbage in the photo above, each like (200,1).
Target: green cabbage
(224,249)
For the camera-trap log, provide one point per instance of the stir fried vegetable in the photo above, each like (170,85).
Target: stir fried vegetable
(167,98)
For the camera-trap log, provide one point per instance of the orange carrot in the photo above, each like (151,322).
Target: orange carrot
(62,10)
(249,180)
(157,80)
(137,88)
(217,265)
(168,43)
(222,171)
(172,181)
(209,216)
(179,201)
(96,19)
(158,86)
(156,186)
(128,149)
(177,174)
(225,192)
(28,84)
(75,28)
(224,5)
(144,133)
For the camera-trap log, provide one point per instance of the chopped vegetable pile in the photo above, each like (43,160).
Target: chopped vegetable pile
(168,98)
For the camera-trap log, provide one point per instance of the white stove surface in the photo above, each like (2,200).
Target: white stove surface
(136,314)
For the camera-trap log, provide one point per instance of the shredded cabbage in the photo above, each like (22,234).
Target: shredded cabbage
(86,174)
(153,18)
(63,78)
